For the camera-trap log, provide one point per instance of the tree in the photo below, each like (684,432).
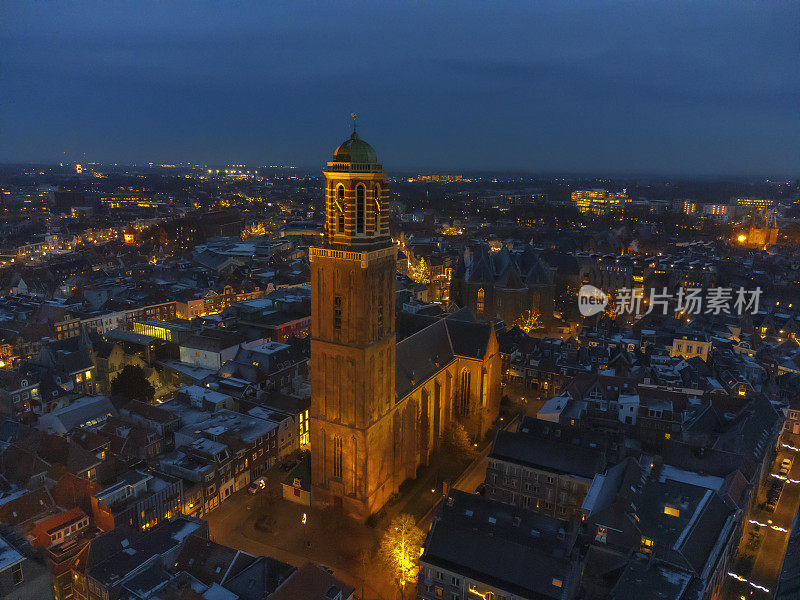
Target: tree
(529,320)
(457,451)
(456,440)
(255,229)
(132,384)
(400,547)
(419,271)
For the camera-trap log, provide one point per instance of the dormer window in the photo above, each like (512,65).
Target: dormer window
(602,534)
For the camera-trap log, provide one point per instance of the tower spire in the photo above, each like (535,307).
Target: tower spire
(355,133)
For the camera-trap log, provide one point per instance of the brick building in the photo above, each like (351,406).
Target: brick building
(379,407)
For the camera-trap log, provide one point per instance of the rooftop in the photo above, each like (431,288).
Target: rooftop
(496,544)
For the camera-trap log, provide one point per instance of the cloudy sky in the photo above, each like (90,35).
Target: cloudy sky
(667,88)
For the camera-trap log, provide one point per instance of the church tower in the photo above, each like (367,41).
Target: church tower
(353,336)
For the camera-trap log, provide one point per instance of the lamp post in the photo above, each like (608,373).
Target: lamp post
(303,522)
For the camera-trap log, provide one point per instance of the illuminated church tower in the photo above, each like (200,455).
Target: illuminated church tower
(353,337)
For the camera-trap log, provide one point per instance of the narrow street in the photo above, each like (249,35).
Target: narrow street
(763,542)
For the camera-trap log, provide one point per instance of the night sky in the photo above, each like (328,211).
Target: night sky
(666,88)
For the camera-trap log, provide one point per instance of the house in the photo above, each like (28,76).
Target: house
(164,422)
(676,519)
(296,486)
(219,455)
(23,576)
(311,582)
(113,560)
(34,457)
(551,475)
(22,509)
(19,388)
(689,344)
(139,499)
(59,528)
(478,547)
(211,348)
(83,412)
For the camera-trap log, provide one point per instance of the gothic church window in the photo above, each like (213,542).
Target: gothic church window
(464,396)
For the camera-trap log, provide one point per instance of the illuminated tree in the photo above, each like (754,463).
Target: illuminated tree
(529,320)
(611,307)
(254,230)
(419,271)
(400,548)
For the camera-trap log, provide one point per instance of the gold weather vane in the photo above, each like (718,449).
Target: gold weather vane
(354,121)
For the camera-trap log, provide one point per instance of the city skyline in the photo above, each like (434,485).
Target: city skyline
(667,91)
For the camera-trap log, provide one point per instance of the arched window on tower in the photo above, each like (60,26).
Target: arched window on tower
(479,306)
(464,392)
(340,208)
(377,194)
(360,194)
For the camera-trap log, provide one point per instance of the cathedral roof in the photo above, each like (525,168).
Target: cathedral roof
(510,279)
(420,356)
(503,269)
(482,271)
(355,150)
(423,353)
(538,273)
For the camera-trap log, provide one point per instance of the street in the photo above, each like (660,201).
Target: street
(325,538)
(764,538)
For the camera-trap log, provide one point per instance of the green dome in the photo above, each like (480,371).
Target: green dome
(355,150)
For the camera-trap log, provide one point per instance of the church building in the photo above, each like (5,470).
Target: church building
(379,406)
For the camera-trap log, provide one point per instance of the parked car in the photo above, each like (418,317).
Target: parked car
(327,569)
(786,466)
(257,485)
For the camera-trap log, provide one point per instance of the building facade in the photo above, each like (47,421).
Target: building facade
(353,336)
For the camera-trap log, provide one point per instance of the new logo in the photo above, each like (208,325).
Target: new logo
(591,300)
